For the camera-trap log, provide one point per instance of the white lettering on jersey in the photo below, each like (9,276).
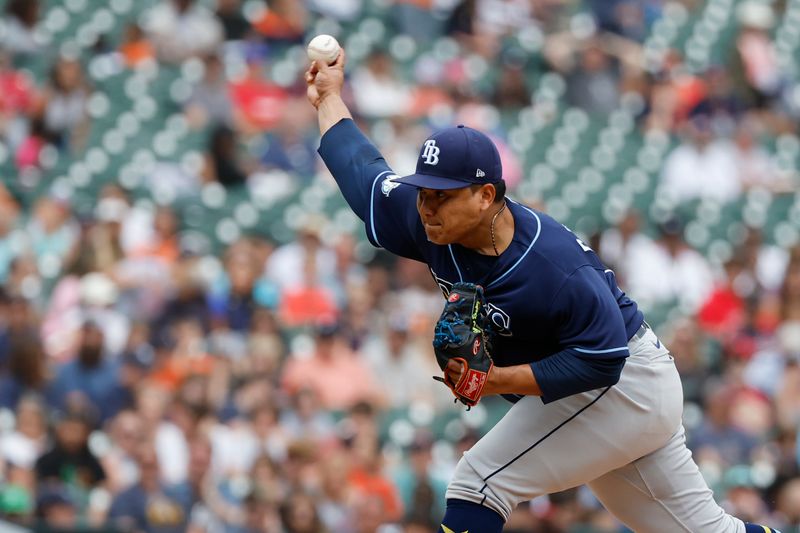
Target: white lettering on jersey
(499,318)
(585,247)
(431,152)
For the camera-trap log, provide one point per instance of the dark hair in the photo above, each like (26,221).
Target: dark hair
(26,11)
(499,190)
(222,148)
(27,359)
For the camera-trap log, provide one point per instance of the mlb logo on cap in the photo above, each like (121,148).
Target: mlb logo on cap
(454,158)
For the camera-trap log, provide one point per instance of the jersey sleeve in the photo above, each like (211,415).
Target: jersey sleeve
(591,334)
(387,208)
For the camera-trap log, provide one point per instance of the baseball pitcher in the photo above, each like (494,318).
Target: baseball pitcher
(532,314)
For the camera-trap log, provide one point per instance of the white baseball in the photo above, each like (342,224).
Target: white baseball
(323,48)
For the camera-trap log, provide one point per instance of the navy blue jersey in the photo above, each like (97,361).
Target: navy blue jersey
(554,305)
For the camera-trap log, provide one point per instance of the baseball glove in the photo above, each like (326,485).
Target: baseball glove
(462,334)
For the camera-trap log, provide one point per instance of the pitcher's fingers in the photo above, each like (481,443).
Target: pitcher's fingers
(340,59)
(455,367)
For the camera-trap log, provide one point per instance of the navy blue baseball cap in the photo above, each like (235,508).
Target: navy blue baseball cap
(454,158)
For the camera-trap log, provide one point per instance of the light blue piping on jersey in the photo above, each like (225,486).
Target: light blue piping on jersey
(507,272)
(372,207)
(584,350)
(452,255)
(535,238)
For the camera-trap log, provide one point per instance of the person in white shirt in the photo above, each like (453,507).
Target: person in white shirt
(669,271)
(702,166)
(181,29)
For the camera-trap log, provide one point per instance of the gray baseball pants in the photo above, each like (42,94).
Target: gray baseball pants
(625,442)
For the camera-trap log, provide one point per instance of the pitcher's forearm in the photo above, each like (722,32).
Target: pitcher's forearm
(517,379)
(330,111)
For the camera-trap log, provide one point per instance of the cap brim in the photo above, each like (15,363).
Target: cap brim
(427,181)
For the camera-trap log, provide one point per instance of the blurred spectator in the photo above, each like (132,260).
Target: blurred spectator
(126,436)
(282,21)
(234,24)
(494,19)
(180,29)
(341,10)
(210,102)
(26,370)
(90,379)
(717,440)
(307,302)
(135,48)
(29,440)
(420,19)
(30,149)
(720,102)
(164,245)
(258,102)
(594,85)
(70,461)
(764,261)
(223,163)
(512,90)
(63,104)
(787,395)
(688,344)
(339,376)
(287,268)
(669,271)
(335,495)
(151,505)
(745,501)
(372,489)
(236,294)
(289,146)
(420,486)
(405,367)
(17,99)
(722,314)
(702,166)
(186,357)
(169,441)
(626,18)
(187,300)
(11,241)
(52,230)
(16,504)
(21,19)
(756,60)
(788,504)
(378,91)
(299,514)
(56,509)
(675,92)
(99,295)
(619,243)
(307,418)
(756,169)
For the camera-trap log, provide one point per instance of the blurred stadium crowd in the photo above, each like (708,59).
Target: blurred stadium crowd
(195,335)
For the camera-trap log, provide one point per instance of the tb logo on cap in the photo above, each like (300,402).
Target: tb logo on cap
(431,152)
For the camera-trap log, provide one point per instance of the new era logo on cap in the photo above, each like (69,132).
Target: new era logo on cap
(454,158)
